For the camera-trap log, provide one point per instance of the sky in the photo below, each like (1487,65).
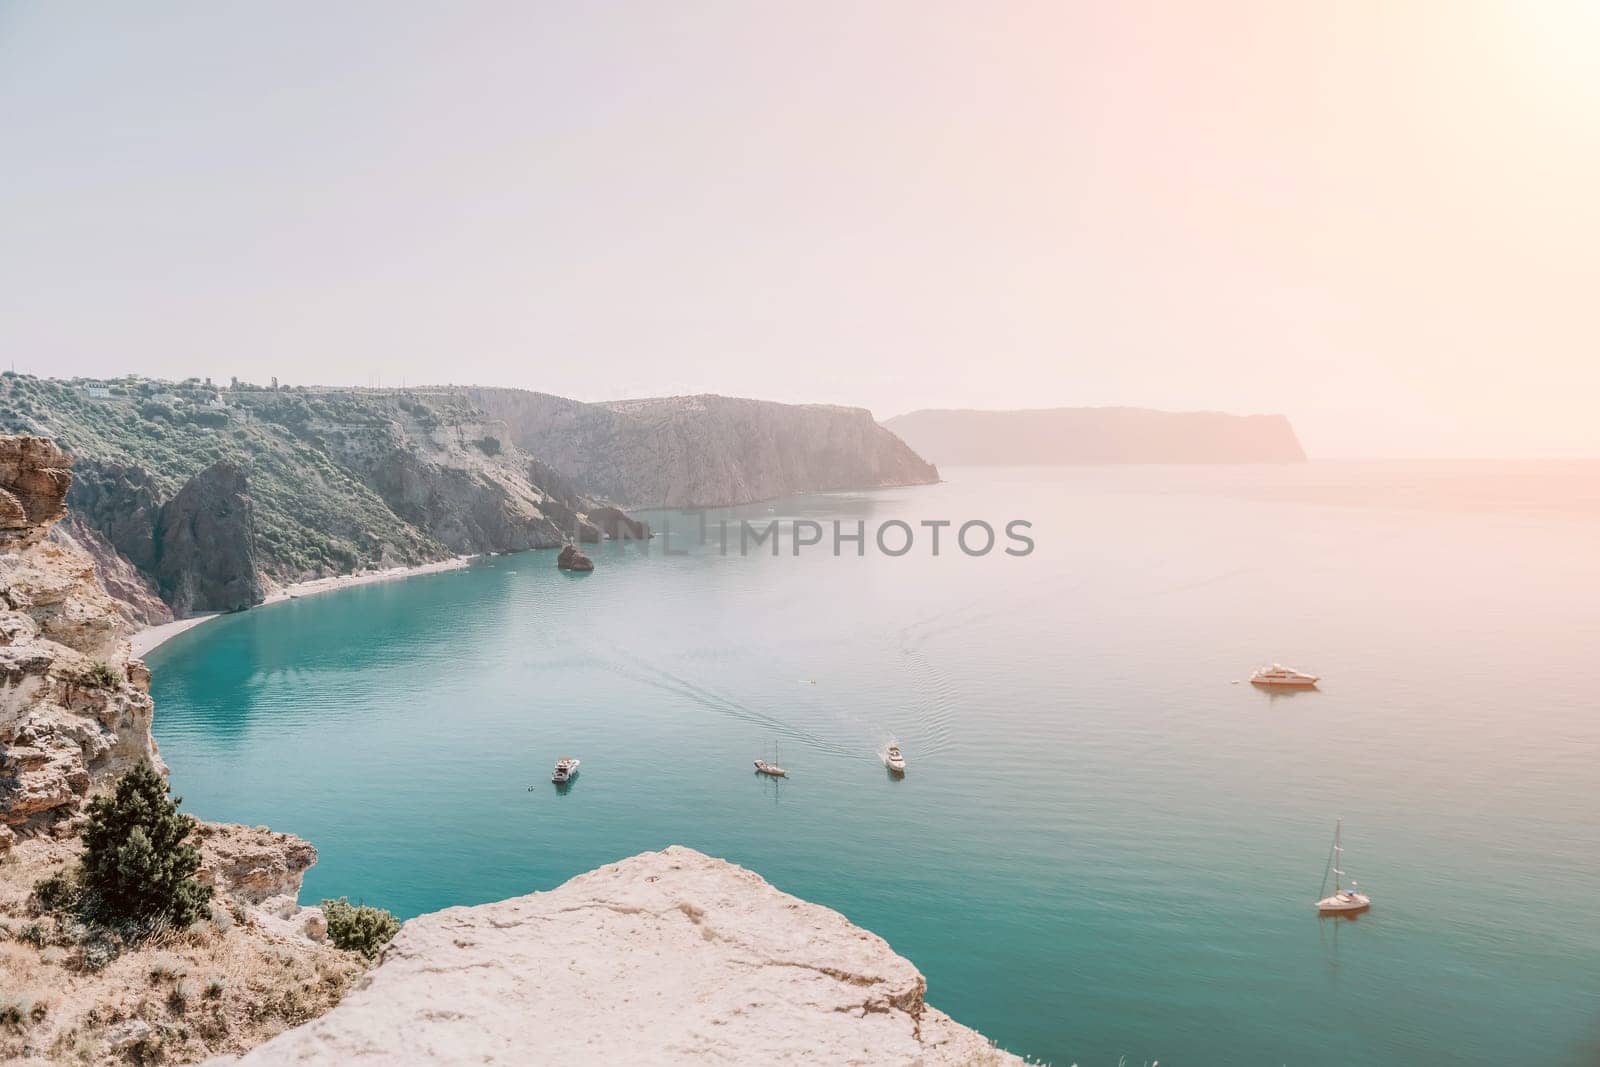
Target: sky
(1378,218)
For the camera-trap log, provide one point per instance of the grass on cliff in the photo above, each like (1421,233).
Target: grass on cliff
(68,995)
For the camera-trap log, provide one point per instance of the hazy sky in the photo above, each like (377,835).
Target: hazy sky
(1379,218)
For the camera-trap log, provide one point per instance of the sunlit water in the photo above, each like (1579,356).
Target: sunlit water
(1106,846)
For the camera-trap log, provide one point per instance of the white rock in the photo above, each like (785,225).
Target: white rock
(125,1035)
(667,957)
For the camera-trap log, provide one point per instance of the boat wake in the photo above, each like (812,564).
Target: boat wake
(644,672)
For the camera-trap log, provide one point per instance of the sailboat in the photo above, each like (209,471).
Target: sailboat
(1343,899)
(771,770)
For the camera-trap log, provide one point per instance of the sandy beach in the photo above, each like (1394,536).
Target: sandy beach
(147,640)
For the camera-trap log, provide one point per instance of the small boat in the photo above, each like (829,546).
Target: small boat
(566,770)
(894,760)
(1280,677)
(771,769)
(1345,900)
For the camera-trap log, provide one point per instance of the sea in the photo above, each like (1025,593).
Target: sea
(1107,843)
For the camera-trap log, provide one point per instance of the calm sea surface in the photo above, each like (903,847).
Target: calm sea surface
(1107,844)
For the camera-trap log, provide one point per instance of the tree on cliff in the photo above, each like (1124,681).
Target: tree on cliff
(136,859)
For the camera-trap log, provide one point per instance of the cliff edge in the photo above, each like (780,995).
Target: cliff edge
(705,451)
(75,714)
(666,957)
(75,709)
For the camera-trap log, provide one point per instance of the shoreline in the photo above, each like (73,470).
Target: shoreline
(153,637)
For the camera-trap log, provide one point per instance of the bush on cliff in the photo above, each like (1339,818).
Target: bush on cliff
(98,675)
(137,864)
(359,928)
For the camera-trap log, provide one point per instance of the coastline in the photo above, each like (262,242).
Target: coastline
(153,637)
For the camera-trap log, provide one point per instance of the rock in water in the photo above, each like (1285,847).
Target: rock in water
(667,957)
(573,560)
(206,544)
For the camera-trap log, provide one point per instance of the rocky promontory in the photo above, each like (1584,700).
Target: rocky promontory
(206,544)
(204,497)
(666,957)
(705,451)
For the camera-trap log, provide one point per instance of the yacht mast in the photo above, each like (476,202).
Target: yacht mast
(1338,855)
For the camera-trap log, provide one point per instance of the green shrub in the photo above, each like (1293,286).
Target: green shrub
(359,928)
(97,953)
(490,446)
(165,968)
(137,864)
(211,417)
(19,1009)
(98,675)
(180,997)
(57,893)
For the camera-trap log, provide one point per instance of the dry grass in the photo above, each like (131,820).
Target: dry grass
(179,997)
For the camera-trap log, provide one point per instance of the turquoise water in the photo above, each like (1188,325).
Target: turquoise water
(1105,847)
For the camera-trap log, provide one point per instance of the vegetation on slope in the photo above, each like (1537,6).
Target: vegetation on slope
(359,927)
(313,515)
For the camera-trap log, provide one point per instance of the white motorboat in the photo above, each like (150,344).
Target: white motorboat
(1281,677)
(1343,899)
(894,760)
(566,770)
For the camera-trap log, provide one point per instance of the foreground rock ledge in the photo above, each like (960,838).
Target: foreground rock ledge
(667,957)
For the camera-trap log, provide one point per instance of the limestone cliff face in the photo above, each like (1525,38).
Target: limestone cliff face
(337,480)
(702,451)
(121,502)
(194,552)
(1097,435)
(75,710)
(135,593)
(33,489)
(667,957)
(206,544)
(461,480)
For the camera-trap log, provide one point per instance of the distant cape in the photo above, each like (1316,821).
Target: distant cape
(1096,435)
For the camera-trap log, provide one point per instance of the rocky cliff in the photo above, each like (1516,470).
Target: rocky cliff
(295,483)
(703,451)
(667,957)
(206,544)
(75,710)
(34,479)
(135,591)
(75,714)
(1097,435)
